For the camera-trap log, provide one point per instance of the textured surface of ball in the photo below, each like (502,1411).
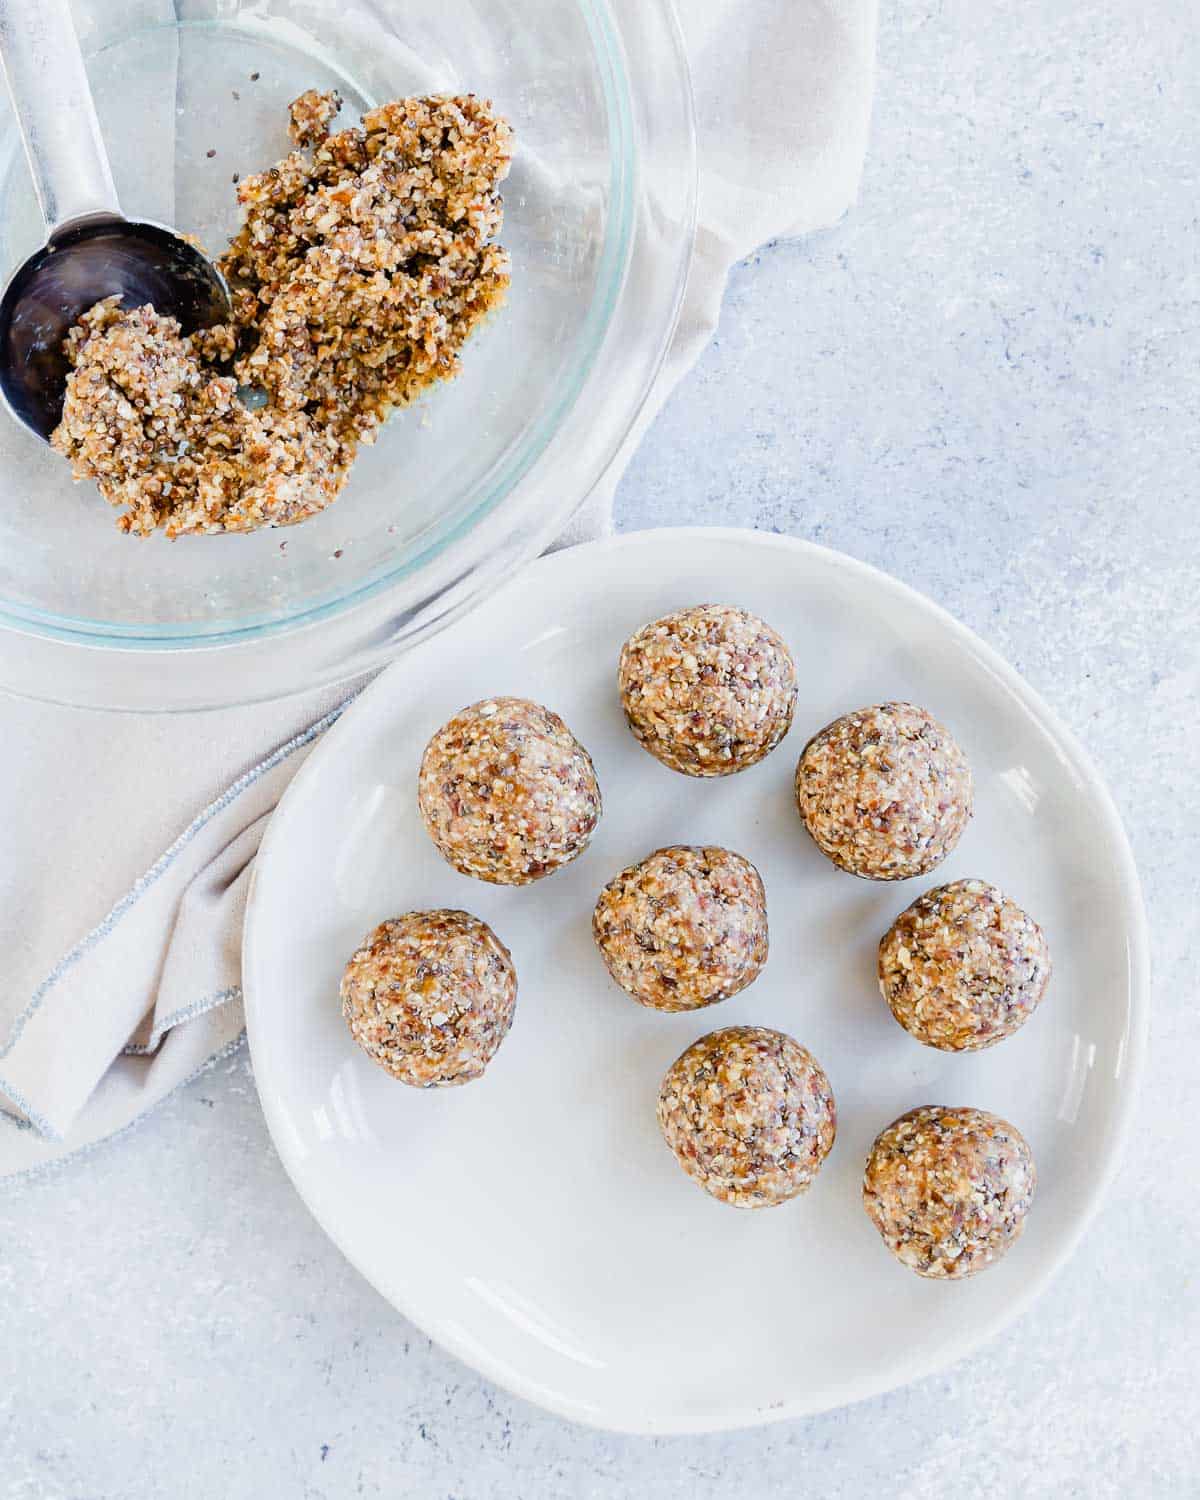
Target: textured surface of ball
(684,928)
(949,1189)
(885,792)
(507,793)
(749,1114)
(964,967)
(430,996)
(708,691)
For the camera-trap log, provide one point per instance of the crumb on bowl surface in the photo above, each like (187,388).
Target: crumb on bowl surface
(430,996)
(709,690)
(949,1189)
(507,793)
(683,928)
(310,116)
(749,1114)
(885,792)
(366,260)
(963,967)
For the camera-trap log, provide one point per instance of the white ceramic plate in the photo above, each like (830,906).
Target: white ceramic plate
(534,1222)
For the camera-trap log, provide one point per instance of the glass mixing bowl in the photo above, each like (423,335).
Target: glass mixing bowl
(463,486)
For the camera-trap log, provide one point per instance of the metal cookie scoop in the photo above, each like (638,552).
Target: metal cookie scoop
(92,251)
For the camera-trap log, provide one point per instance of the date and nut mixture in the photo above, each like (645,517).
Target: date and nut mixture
(684,928)
(507,793)
(366,260)
(749,1114)
(885,792)
(430,996)
(707,691)
(948,1189)
(963,967)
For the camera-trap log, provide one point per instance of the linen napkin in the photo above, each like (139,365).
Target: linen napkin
(122,958)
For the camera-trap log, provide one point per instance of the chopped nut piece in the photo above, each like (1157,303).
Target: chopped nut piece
(310,116)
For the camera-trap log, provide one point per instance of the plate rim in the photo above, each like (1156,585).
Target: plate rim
(739,1417)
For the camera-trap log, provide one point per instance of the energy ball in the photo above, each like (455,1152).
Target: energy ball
(749,1115)
(963,967)
(507,793)
(684,928)
(430,997)
(885,792)
(708,691)
(948,1189)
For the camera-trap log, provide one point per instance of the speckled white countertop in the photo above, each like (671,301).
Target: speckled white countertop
(988,382)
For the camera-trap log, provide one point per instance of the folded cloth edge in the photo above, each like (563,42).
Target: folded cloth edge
(56,990)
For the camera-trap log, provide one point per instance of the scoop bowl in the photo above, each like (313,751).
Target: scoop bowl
(81,265)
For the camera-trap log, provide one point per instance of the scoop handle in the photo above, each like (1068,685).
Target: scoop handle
(43,66)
